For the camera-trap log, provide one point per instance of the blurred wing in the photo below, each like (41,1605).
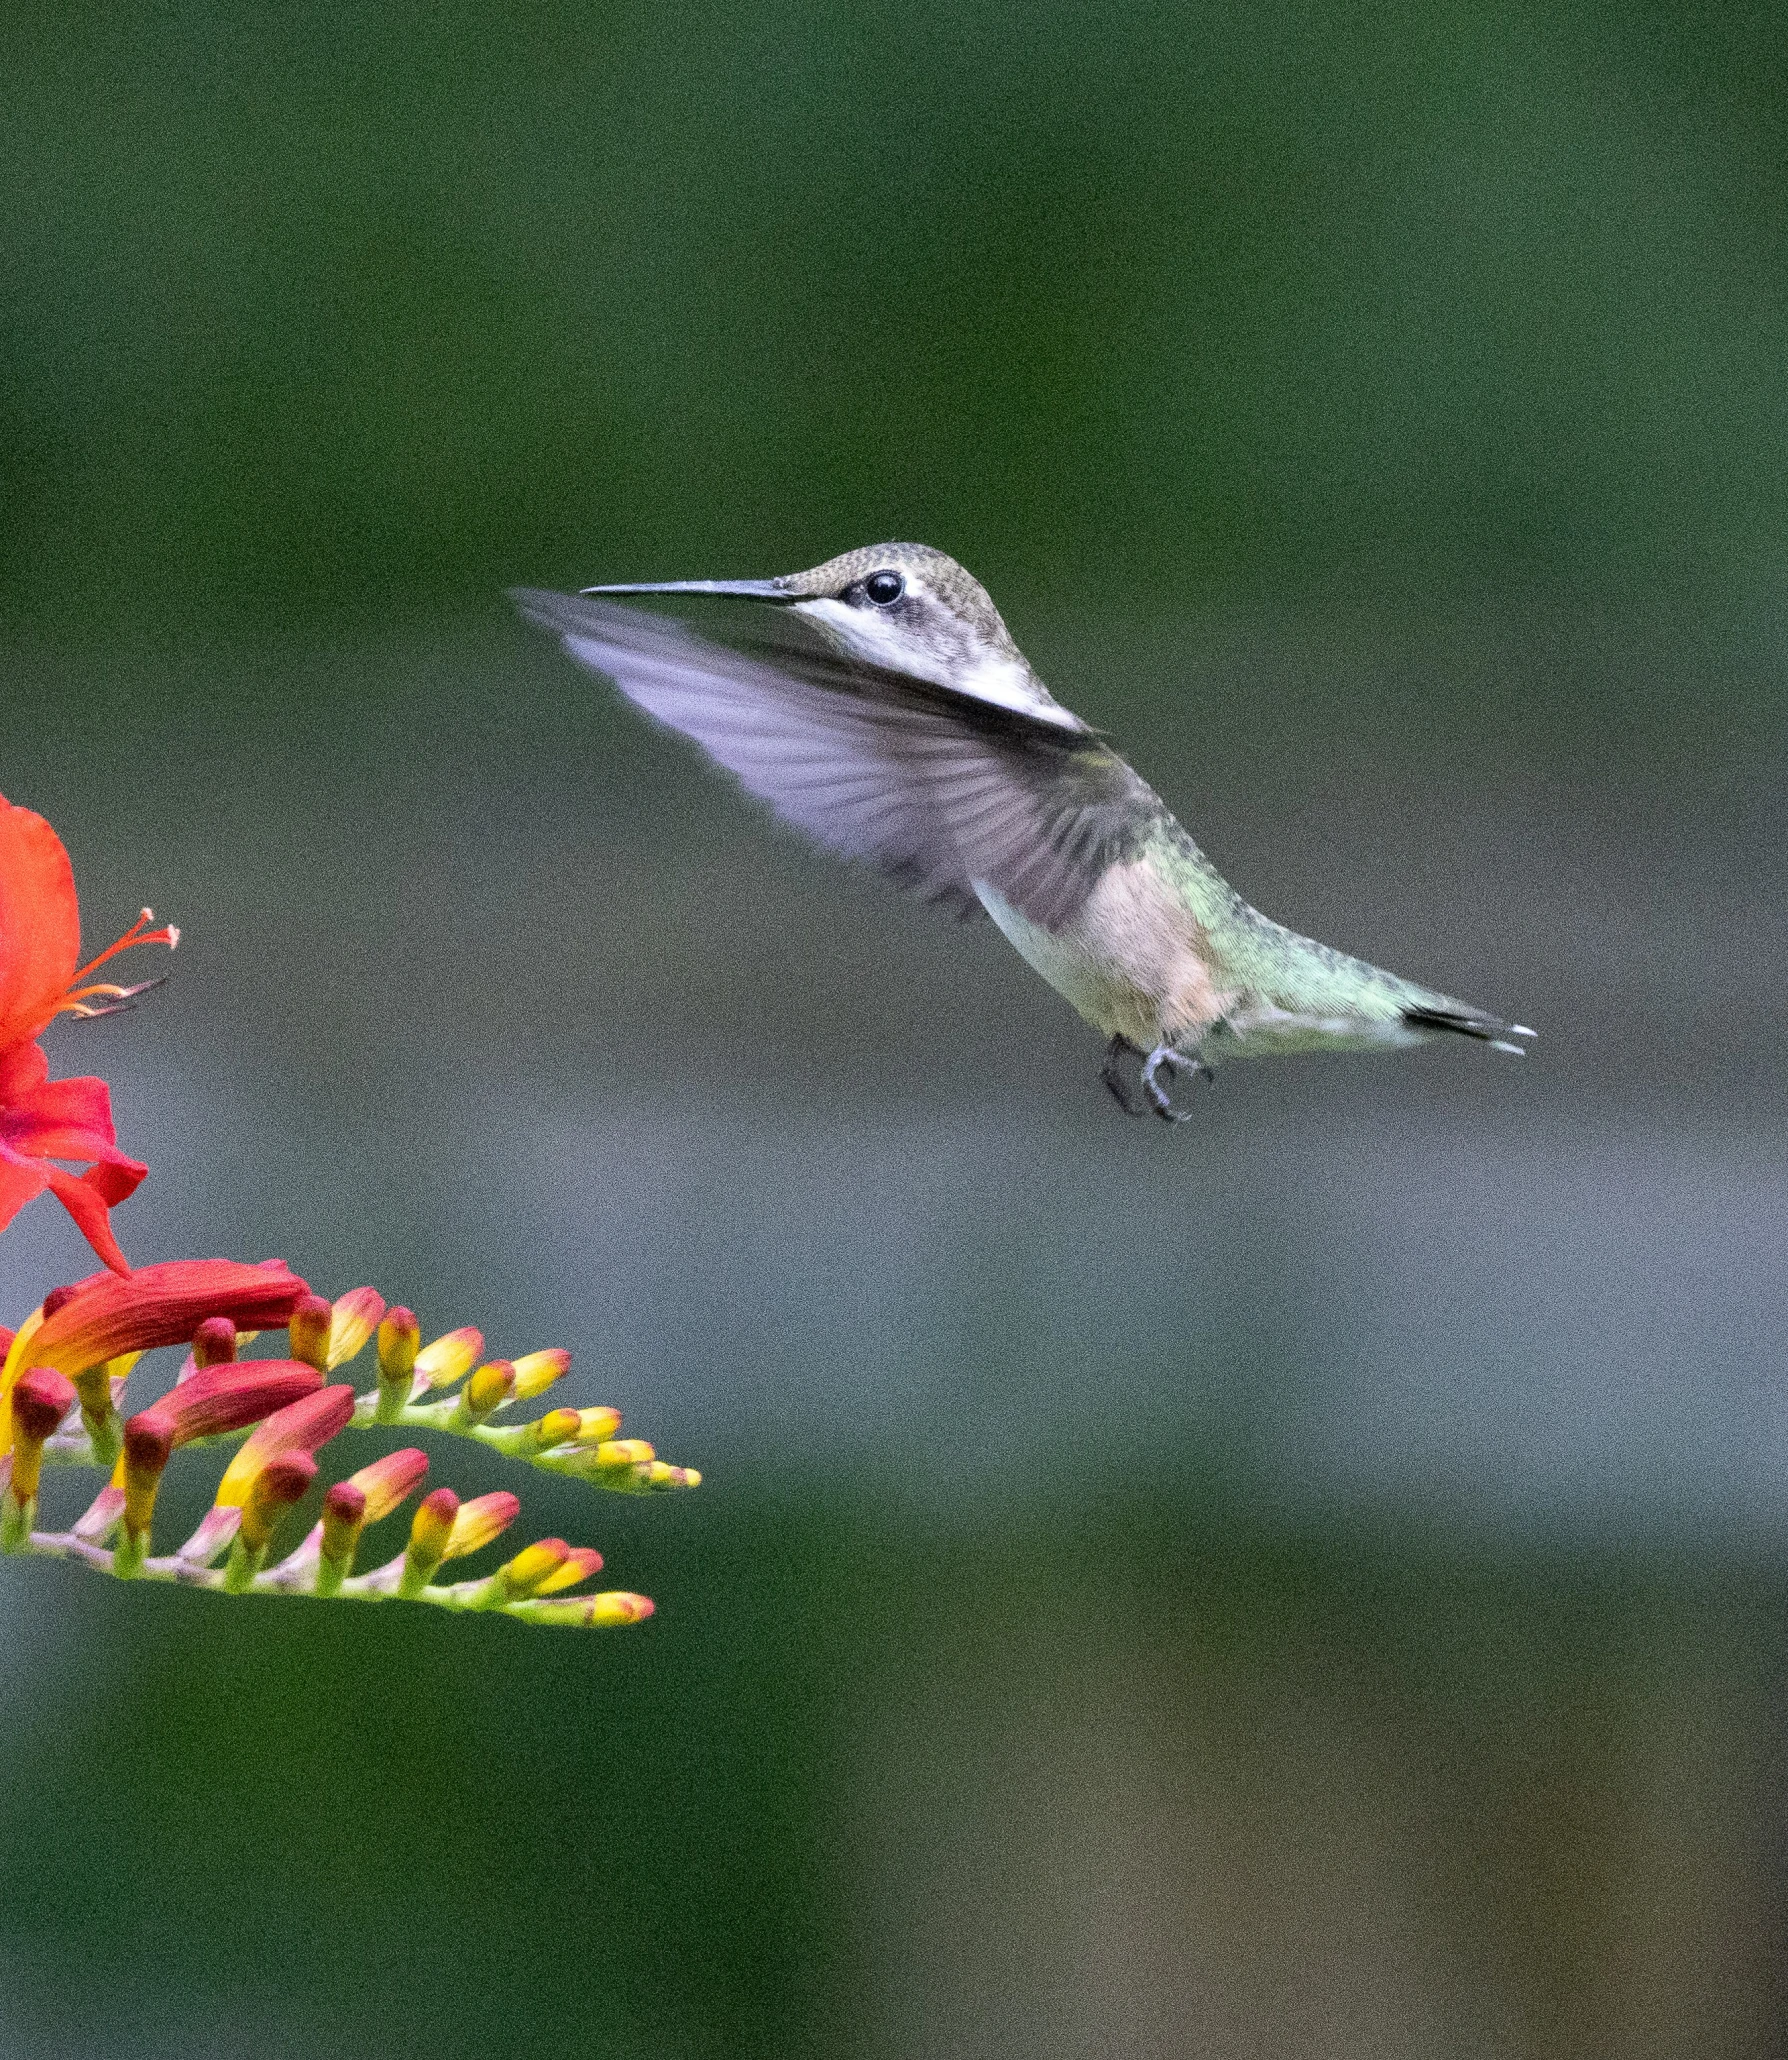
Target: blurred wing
(935,787)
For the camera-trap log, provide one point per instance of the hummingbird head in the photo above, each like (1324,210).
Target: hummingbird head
(904,606)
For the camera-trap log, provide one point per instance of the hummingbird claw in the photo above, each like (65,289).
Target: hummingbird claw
(1164,1057)
(1112,1075)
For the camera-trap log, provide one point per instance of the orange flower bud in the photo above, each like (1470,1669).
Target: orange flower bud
(580,1563)
(400,1337)
(486,1392)
(351,1323)
(529,1570)
(336,1539)
(430,1529)
(94,1386)
(41,1398)
(621,1453)
(308,1328)
(451,1357)
(479,1521)
(344,1514)
(148,1443)
(572,1427)
(535,1372)
(556,1427)
(389,1481)
(301,1426)
(606,1610)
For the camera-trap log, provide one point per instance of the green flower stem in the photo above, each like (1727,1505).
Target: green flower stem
(515,1441)
(15,1522)
(381,1585)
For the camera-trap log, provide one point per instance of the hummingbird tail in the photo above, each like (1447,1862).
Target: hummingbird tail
(1470,1022)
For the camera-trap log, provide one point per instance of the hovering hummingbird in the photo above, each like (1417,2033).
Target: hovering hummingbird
(915,734)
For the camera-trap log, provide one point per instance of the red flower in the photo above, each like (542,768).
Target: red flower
(104,1317)
(101,1318)
(41,1119)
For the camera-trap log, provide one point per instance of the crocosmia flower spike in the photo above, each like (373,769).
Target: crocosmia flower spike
(62,1386)
(66,1370)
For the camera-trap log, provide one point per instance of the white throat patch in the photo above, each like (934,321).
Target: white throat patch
(1005,682)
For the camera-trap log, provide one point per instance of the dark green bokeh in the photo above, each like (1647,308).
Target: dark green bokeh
(393,303)
(1307,1587)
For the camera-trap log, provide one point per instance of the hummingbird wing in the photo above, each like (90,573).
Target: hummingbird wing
(936,787)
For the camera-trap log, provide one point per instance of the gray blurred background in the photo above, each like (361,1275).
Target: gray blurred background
(1307,1584)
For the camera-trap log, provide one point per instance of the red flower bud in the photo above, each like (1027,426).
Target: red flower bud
(214,1342)
(41,1398)
(224,1398)
(344,1515)
(280,1483)
(148,1442)
(107,1314)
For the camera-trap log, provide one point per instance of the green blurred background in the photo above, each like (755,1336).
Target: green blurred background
(1308,1584)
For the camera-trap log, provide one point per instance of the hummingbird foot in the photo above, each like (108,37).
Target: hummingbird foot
(1164,1059)
(1112,1073)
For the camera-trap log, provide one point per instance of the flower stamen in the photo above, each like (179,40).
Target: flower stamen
(72,1002)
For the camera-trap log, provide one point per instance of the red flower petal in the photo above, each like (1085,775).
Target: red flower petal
(21,1181)
(42,1119)
(88,1205)
(40,924)
(232,1396)
(162,1305)
(82,1105)
(40,935)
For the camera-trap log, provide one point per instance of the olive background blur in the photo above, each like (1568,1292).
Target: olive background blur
(1310,1583)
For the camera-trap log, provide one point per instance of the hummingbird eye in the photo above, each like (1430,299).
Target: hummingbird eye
(884,588)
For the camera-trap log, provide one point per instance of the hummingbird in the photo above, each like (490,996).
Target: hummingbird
(900,723)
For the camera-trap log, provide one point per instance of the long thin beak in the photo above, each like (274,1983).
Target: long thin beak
(742,589)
